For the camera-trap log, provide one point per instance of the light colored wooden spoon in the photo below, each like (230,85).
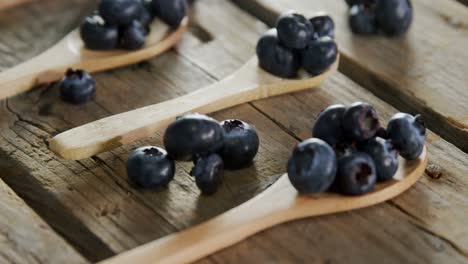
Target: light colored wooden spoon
(277,204)
(4,4)
(247,84)
(70,53)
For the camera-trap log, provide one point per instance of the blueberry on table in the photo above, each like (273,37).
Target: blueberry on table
(208,172)
(172,12)
(363,20)
(360,121)
(96,35)
(323,26)
(275,58)
(241,144)
(294,30)
(192,136)
(312,166)
(132,36)
(120,12)
(77,87)
(329,125)
(385,157)
(150,167)
(356,174)
(394,16)
(408,134)
(319,55)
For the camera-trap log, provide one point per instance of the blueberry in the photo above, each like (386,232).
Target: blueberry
(356,174)
(96,35)
(323,26)
(150,167)
(275,58)
(120,12)
(132,36)
(312,166)
(408,134)
(394,16)
(77,87)
(358,2)
(208,172)
(319,55)
(294,30)
(241,144)
(172,12)
(146,16)
(193,135)
(360,121)
(385,157)
(329,125)
(362,20)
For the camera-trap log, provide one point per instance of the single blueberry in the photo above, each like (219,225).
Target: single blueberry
(408,134)
(385,157)
(323,26)
(77,87)
(96,35)
(132,36)
(150,167)
(208,172)
(329,125)
(294,30)
(319,55)
(172,12)
(356,174)
(120,12)
(362,20)
(360,122)
(312,166)
(192,136)
(275,58)
(241,144)
(394,16)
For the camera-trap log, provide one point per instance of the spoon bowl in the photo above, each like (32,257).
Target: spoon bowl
(71,53)
(278,204)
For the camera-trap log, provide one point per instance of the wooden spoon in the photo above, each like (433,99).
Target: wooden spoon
(4,4)
(247,84)
(277,204)
(70,53)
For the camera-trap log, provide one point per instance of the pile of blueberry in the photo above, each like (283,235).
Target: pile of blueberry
(211,145)
(126,23)
(298,41)
(351,152)
(392,17)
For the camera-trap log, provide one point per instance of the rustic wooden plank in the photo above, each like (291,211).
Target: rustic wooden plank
(95,192)
(423,72)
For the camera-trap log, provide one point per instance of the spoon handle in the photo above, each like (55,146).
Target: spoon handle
(4,4)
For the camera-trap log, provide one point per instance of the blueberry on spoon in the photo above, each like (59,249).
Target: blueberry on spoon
(385,157)
(329,125)
(394,16)
(172,12)
(319,55)
(294,30)
(323,26)
(408,134)
(97,35)
(356,174)
(120,12)
(362,20)
(132,36)
(360,121)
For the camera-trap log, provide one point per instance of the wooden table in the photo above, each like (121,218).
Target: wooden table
(55,211)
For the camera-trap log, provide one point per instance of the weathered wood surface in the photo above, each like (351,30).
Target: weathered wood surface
(93,206)
(423,72)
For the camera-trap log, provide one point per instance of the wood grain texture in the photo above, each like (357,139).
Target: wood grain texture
(426,224)
(424,71)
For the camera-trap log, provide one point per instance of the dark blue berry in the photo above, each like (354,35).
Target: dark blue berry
(394,16)
(312,166)
(150,167)
(120,12)
(329,125)
(172,12)
(323,26)
(132,36)
(146,16)
(276,58)
(77,87)
(241,144)
(208,173)
(192,136)
(319,55)
(362,20)
(408,134)
(360,2)
(356,174)
(385,157)
(294,30)
(360,122)
(96,35)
